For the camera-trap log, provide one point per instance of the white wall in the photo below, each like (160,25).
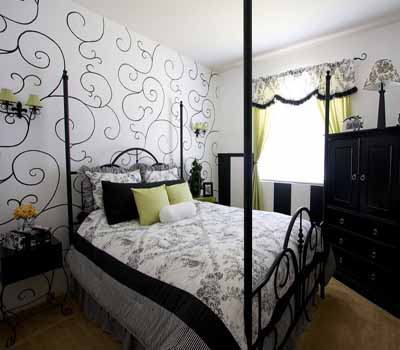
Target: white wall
(378,43)
(124,92)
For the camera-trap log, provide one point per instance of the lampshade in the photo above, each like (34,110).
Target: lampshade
(383,71)
(34,101)
(6,95)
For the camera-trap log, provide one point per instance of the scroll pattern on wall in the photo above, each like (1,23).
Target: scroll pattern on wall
(124,92)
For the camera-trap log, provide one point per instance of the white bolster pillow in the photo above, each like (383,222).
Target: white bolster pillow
(176,212)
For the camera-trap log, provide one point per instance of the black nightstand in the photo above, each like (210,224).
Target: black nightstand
(19,265)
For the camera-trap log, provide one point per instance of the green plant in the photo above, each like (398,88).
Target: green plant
(195,180)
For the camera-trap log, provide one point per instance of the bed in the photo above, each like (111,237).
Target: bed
(186,285)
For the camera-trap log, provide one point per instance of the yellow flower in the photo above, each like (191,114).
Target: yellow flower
(25,211)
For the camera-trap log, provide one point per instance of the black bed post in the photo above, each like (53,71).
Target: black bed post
(326,154)
(68,156)
(326,159)
(181,135)
(248,168)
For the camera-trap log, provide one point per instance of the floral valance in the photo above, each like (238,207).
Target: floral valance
(297,86)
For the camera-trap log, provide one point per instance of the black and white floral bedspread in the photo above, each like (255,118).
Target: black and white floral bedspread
(202,255)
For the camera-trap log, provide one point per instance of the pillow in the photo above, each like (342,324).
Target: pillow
(119,203)
(176,212)
(86,187)
(161,175)
(97,178)
(149,202)
(146,167)
(179,193)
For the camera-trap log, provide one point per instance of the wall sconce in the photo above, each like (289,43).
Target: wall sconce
(10,106)
(200,128)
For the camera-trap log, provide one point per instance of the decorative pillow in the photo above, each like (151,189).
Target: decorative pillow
(97,178)
(119,203)
(179,193)
(149,202)
(161,175)
(176,212)
(146,167)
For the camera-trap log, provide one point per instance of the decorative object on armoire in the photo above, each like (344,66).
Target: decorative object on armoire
(200,128)
(362,214)
(10,106)
(354,123)
(195,179)
(383,74)
(208,189)
(25,216)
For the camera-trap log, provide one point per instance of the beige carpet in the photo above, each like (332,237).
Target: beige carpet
(344,320)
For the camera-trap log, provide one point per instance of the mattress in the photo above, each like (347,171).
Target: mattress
(191,270)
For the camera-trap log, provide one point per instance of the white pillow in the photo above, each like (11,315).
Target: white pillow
(176,212)
(161,175)
(97,178)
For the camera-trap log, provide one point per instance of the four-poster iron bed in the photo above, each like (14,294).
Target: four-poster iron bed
(289,284)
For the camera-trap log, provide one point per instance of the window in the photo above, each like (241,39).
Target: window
(294,149)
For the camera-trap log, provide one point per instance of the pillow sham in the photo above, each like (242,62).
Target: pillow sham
(161,175)
(177,212)
(179,193)
(149,202)
(88,204)
(96,178)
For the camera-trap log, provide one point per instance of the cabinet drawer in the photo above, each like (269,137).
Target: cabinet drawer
(344,220)
(374,279)
(381,232)
(376,253)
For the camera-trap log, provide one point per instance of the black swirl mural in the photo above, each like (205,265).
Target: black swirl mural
(125,92)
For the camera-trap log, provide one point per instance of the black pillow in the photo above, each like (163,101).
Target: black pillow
(119,202)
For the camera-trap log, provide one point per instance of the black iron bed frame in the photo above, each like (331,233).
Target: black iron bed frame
(295,276)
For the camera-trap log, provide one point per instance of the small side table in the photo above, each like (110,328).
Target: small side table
(210,199)
(19,265)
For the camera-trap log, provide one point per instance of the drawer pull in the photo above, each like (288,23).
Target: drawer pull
(340,260)
(341,221)
(373,254)
(341,241)
(354,177)
(362,177)
(375,232)
(372,277)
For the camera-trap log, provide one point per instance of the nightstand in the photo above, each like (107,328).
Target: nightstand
(210,199)
(16,266)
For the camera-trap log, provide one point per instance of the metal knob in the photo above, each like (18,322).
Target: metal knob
(362,177)
(354,177)
(341,240)
(340,260)
(373,254)
(375,232)
(341,221)
(372,276)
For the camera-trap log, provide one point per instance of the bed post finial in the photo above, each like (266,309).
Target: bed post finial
(181,135)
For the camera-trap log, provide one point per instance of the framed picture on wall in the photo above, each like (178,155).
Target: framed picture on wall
(208,189)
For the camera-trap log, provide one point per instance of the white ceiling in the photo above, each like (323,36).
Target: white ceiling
(210,31)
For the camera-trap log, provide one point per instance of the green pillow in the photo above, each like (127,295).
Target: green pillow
(179,193)
(149,202)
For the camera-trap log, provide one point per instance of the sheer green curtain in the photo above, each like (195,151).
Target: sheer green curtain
(340,109)
(261,128)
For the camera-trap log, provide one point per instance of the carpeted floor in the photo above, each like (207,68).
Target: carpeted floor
(344,320)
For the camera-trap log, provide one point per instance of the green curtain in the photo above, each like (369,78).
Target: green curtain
(261,128)
(340,109)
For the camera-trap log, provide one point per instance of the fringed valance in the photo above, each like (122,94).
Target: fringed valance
(297,86)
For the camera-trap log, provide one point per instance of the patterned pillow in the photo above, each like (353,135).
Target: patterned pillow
(146,167)
(161,175)
(97,177)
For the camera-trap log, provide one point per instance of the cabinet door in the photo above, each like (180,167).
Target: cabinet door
(342,173)
(378,175)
